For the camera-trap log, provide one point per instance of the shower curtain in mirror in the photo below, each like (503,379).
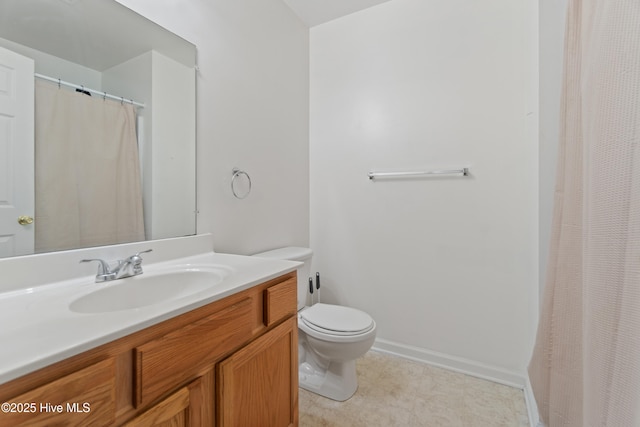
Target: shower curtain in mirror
(87,171)
(585,369)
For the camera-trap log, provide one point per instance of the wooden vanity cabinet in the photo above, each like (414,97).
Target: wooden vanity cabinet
(230,363)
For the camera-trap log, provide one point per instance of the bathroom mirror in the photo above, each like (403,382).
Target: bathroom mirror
(103,46)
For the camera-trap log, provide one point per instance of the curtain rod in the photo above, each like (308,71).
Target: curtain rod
(97,92)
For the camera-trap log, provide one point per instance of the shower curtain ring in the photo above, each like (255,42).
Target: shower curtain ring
(104,96)
(59,83)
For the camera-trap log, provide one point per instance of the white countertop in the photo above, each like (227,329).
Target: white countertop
(37,327)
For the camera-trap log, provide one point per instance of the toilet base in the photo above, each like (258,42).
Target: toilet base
(338,382)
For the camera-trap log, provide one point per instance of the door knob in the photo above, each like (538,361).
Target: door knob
(25,220)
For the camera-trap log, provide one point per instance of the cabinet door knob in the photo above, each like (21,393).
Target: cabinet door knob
(25,220)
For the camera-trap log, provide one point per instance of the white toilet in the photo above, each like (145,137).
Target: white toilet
(330,337)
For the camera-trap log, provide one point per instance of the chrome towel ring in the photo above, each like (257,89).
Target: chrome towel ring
(236,173)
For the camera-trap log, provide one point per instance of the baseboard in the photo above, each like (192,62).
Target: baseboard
(452,363)
(468,367)
(532,407)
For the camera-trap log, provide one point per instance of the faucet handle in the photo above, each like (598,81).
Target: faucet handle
(136,261)
(104,272)
(142,252)
(136,258)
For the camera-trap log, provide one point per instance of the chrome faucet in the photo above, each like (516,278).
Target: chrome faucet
(131,266)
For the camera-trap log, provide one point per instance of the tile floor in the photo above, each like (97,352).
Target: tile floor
(398,392)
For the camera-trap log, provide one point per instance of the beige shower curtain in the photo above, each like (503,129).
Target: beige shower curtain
(87,171)
(585,369)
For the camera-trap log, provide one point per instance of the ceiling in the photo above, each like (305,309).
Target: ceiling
(315,12)
(83,32)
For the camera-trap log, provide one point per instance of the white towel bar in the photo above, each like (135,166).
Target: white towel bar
(461,172)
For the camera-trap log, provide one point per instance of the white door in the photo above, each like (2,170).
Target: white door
(16,154)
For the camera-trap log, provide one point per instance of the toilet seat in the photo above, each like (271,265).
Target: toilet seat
(337,320)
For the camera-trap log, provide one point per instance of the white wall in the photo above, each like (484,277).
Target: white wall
(174,99)
(252,113)
(552,25)
(447,267)
(55,67)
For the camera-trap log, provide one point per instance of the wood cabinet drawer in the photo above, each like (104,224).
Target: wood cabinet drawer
(170,361)
(83,398)
(280,301)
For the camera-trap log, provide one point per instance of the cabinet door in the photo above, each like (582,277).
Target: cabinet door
(258,385)
(171,412)
(82,398)
(189,406)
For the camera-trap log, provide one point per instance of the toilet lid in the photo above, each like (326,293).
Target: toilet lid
(337,318)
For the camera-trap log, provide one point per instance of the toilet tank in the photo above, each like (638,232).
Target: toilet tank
(294,253)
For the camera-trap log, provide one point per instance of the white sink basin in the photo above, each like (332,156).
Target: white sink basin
(148,289)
